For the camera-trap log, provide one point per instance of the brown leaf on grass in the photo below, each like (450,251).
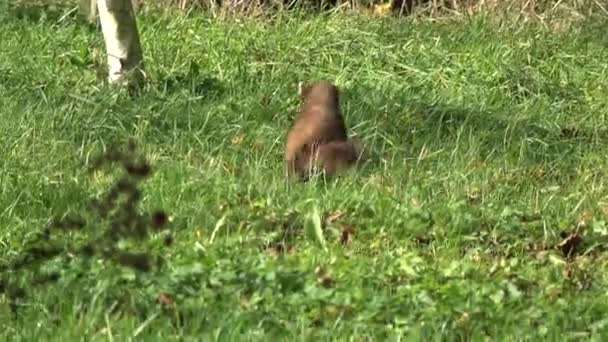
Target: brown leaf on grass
(569,132)
(166,299)
(569,244)
(159,219)
(284,242)
(530,217)
(604,208)
(348,232)
(423,240)
(278,248)
(415,203)
(464,320)
(327,282)
(476,165)
(538,172)
(539,250)
(568,271)
(334,311)
(265,100)
(324,278)
(585,218)
(168,240)
(333,217)
(238,139)
(473,195)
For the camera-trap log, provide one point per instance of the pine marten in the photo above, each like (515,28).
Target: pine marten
(318,137)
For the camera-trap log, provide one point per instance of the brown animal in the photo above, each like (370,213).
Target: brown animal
(318,137)
(331,158)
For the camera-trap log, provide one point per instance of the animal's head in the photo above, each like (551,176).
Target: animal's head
(320,88)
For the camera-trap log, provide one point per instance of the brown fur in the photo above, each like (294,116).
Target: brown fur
(318,136)
(331,158)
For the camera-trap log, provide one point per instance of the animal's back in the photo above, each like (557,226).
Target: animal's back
(331,157)
(320,119)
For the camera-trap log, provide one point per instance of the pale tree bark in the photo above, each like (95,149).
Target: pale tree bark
(125,55)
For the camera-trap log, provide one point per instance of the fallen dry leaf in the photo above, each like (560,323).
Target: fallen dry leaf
(538,172)
(258,144)
(464,319)
(473,194)
(415,203)
(238,139)
(333,311)
(569,244)
(332,217)
(530,217)
(166,299)
(347,234)
(568,271)
(539,250)
(159,219)
(278,248)
(265,100)
(476,164)
(569,132)
(423,240)
(324,278)
(604,209)
(585,218)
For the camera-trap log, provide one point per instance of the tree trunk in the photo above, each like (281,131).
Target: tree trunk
(125,55)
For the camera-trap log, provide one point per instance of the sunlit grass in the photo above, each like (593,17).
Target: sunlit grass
(489,141)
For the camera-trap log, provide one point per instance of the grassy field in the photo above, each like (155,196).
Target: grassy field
(482,214)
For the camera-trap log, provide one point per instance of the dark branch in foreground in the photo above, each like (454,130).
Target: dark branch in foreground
(112,218)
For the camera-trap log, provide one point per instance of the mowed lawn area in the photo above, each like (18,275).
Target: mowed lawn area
(482,213)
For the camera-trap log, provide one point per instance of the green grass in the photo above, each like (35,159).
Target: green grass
(474,167)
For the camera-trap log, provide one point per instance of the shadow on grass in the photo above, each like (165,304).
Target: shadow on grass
(54,11)
(35,11)
(192,80)
(209,87)
(446,126)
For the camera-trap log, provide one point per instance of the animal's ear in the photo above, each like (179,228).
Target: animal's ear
(303,89)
